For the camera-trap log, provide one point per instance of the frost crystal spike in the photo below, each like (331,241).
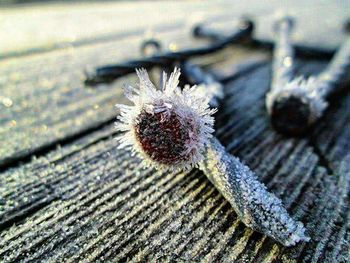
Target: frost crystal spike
(172,129)
(295,103)
(207,83)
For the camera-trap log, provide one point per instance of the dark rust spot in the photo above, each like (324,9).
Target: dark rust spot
(290,116)
(163,141)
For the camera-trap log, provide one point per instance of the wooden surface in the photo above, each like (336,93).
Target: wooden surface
(67,194)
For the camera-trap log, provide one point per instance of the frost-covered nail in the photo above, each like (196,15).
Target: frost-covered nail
(283,55)
(256,207)
(171,129)
(295,103)
(167,128)
(287,112)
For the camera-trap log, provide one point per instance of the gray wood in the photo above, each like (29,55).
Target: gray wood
(90,201)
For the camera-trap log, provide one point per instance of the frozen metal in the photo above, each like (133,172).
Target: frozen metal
(255,206)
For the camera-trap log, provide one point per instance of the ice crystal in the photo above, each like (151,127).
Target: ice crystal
(167,127)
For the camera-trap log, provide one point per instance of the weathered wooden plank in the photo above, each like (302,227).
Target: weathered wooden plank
(103,206)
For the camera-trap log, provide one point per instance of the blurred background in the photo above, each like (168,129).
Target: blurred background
(28,24)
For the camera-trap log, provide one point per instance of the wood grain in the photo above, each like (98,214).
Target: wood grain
(88,201)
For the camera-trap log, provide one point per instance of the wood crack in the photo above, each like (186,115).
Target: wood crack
(322,159)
